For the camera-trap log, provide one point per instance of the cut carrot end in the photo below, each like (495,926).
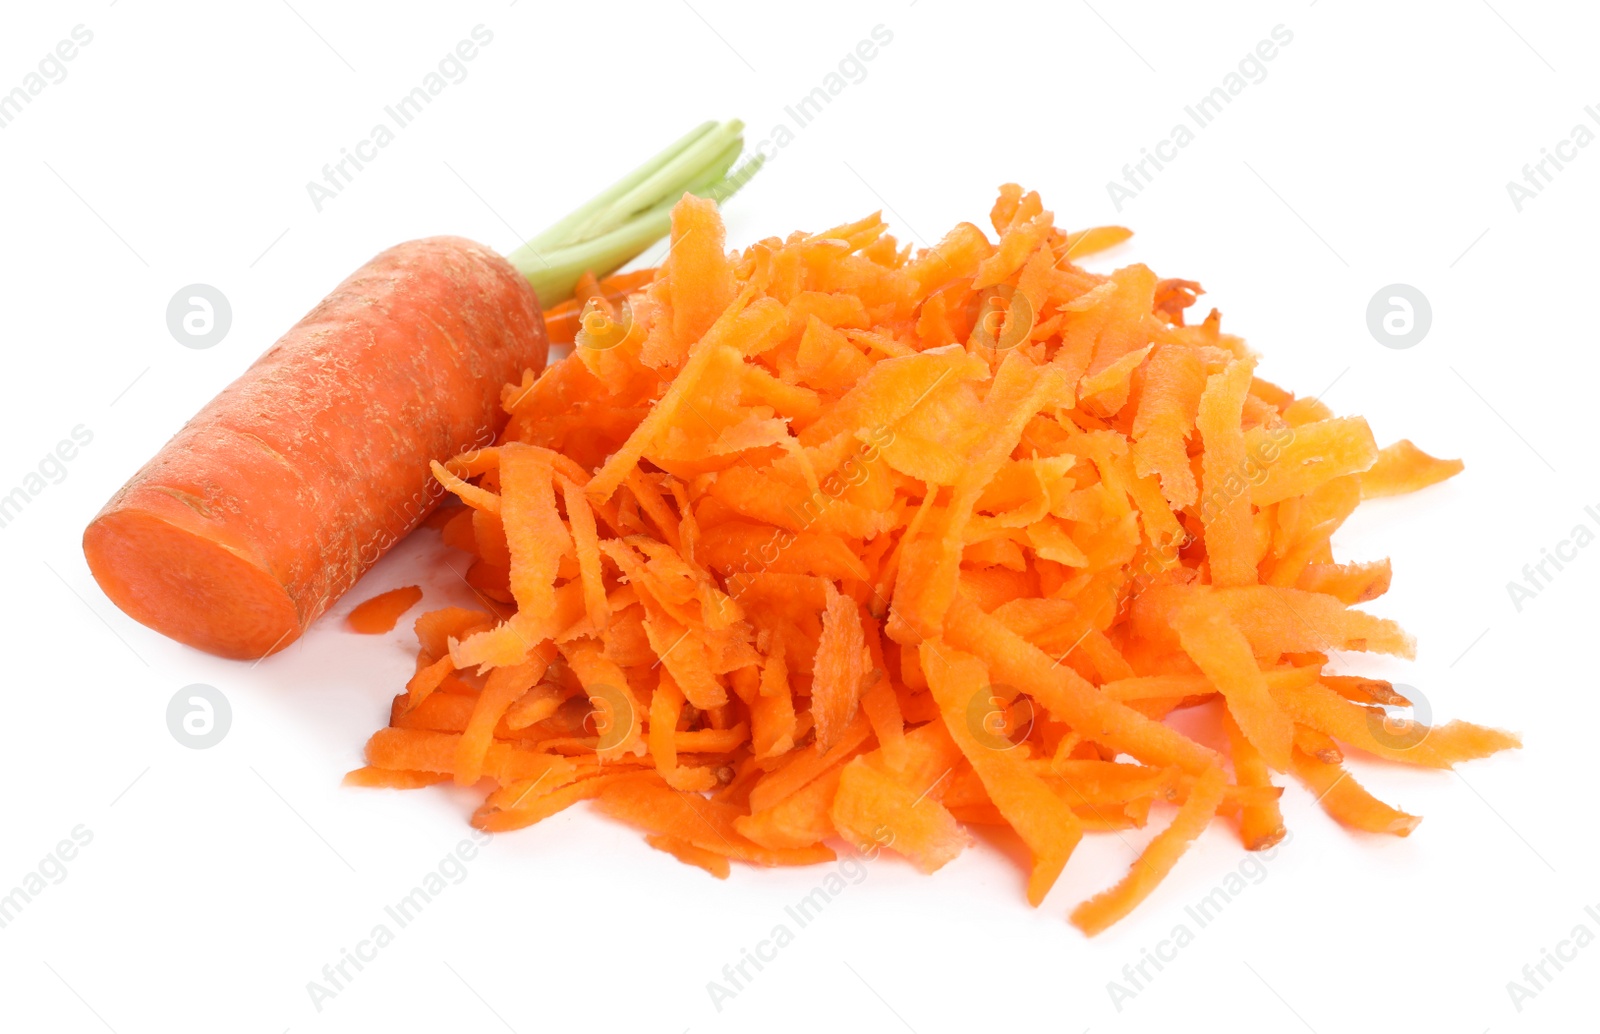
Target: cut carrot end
(188,585)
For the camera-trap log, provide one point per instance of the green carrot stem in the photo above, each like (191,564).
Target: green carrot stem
(710,151)
(558,272)
(562,232)
(619,223)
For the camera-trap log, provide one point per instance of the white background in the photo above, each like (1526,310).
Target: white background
(1377,150)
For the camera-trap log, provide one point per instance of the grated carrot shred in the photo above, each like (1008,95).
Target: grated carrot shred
(382,612)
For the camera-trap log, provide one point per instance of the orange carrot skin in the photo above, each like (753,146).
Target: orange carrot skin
(292,482)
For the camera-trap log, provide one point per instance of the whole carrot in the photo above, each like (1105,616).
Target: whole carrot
(271,502)
(284,489)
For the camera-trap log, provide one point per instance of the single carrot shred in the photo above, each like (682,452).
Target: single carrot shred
(1401,468)
(382,612)
(832,539)
(1157,860)
(716,864)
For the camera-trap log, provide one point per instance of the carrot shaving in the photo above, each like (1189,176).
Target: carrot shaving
(1347,800)
(1260,825)
(382,612)
(502,688)
(1223,653)
(716,864)
(835,540)
(1156,861)
(1402,468)
(1043,819)
(838,667)
(396,779)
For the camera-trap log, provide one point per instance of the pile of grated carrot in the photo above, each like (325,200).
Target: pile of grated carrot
(833,540)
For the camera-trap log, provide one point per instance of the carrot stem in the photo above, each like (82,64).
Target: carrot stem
(619,223)
(565,231)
